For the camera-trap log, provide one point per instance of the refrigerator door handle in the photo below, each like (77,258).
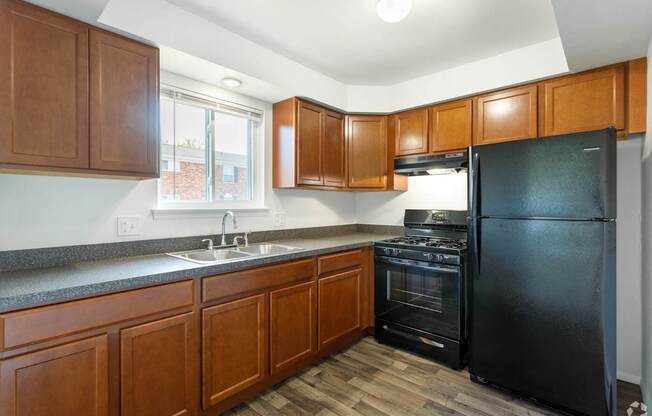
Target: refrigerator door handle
(475,211)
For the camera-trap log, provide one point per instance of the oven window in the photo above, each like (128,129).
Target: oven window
(424,297)
(416,289)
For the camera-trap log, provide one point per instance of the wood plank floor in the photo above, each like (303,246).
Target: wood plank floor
(370,379)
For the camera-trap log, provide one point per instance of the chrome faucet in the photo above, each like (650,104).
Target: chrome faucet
(235,225)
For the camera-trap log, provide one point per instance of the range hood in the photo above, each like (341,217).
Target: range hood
(441,164)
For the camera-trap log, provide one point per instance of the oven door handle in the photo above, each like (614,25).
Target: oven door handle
(418,265)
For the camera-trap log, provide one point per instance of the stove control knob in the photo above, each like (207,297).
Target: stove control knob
(440,257)
(397,252)
(430,256)
(387,251)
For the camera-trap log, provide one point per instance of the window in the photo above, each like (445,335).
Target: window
(208,151)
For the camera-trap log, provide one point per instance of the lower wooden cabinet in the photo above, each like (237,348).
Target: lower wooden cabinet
(293,322)
(234,347)
(158,368)
(69,379)
(339,306)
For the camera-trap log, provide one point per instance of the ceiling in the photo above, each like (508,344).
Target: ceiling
(346,40)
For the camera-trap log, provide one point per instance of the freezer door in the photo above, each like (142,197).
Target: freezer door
(542,311)
(569,176)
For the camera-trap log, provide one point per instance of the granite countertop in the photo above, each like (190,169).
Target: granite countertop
(28,288)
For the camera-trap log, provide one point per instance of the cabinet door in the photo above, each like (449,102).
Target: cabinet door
(234,347)
(69,379)
(583,102)
(124,100)
(309,144)
(367,151)
(339,306)
(293,322)
(158,368)
(507,115)
(334,157)
(411,132)
(450,126)
(43,88)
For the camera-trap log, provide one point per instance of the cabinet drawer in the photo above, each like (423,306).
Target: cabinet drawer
(40,324)
(230,284)
(339,261)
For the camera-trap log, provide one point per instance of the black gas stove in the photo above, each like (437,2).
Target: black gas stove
(420,286)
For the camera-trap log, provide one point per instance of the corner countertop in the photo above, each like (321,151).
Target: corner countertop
(28,288)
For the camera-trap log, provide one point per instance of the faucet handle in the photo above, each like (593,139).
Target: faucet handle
(209,241)
(237,239)
(246,238)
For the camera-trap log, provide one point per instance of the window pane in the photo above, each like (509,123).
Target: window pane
(233,158)
(183,153)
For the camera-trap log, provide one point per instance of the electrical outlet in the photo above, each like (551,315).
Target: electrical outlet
(129,225)
(279,219)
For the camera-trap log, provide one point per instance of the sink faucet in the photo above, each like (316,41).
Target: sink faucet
(235,225)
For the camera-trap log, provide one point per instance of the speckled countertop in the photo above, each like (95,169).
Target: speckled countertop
(27,288)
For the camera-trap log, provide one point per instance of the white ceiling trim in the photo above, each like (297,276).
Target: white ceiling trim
(279,77)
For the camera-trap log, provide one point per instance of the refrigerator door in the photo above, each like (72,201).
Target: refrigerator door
(542,311)
(569,176)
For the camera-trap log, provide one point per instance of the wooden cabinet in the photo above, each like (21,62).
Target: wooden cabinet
(334,146)
(587,101)
(451,126)
(234,347)
(339,306)
(293,322)
(506,115)
(411,132)
(367,151)
(310,129)
(158,368)
(124,100)
(69,379)
(74,99)
(43,88)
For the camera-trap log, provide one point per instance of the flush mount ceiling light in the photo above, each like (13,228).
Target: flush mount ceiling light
(231,82)
(392,11)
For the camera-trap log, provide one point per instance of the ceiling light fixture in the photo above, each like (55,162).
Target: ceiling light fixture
(392,11)
(231,82)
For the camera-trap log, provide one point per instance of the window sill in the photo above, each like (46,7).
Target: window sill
(160,213)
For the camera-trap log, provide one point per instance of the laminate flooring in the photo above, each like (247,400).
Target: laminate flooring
(370,379)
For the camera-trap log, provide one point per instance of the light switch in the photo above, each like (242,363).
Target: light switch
(279,219)
(129,225)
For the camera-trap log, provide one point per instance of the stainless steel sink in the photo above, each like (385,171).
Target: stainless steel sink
(267,249)
(210,256)
(224,255)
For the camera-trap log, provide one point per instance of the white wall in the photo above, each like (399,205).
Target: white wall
(646,382)
(427,192)
(46,211)
(628,259)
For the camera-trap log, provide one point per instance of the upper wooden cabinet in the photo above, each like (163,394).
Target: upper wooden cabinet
(411,132)
(587,101)
(158,368)
(69,379)
(124,101)
(74,99)
(367,151)
(43,88)
(334,150)
(506,115)
(310,130)
(451,126)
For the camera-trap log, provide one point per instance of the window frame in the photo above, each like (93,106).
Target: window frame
(256,163)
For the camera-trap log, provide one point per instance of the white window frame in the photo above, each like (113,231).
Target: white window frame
(257,202)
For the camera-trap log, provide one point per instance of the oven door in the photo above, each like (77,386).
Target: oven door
(424,296)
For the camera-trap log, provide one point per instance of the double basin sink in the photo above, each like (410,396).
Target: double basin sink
(227,254)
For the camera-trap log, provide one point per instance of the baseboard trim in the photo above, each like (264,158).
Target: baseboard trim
(630,378)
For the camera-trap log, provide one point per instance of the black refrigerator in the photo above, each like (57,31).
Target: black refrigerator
(542,277)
